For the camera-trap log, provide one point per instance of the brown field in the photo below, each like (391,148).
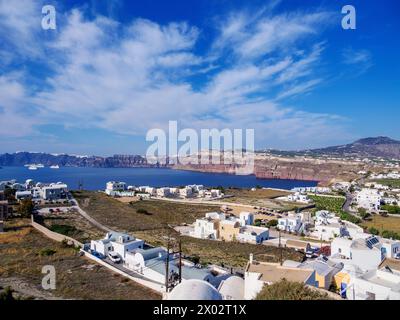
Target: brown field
(383,223)
(153,229)
(22,252)
(84,230)
(125,216)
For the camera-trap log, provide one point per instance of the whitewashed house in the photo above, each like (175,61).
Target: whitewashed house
(163,192)
(366,252)
(258,274)
(246,218)
(382,283)
(253,234)
(369,199)
(117,242)
(112,187)
(291,223)
(151,264)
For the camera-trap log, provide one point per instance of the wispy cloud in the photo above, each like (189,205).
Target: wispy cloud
(130,78)
(360,59)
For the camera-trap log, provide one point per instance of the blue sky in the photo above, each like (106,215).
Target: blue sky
(112,70)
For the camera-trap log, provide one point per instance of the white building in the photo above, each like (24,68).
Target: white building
(194,290)
(54,191)
(258,274)
(291,223)
(232,288)
(369,199)
(380,284)
(163,192)
(117,242)
(253,234)
(206,228)
(151,264)
(328,226)
(113,187)
(297,197)
(185,192)
(366,252)
(246,218)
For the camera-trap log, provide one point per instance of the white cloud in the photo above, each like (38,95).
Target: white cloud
(131,78)
(359,59)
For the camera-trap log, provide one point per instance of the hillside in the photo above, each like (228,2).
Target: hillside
(378,147)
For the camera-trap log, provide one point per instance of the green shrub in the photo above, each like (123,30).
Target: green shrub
(286,290)
(373,231)
(66,230)
(47,252)
(272,223)
(391,209)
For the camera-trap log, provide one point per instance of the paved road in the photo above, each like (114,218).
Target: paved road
(91,220)
(346,205)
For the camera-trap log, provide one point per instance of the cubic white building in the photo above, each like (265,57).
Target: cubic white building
(380,284)
(117,242)
(366,252)
(369,199)
(291,223)
(253,234)
(113,187)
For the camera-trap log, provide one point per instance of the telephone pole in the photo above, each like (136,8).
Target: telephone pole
(167,268)
(180,260)
(280,248)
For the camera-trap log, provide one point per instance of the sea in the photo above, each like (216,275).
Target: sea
(96,178)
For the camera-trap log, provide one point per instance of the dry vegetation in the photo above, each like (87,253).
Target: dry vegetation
(24,252)
(383,223)
(125,216)
(74,224)
(152,228)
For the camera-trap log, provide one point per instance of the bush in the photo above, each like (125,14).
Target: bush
(272,223)
(25,208)
(286,290)
(391,209)
(348,217)
(66,230)
(257,222)
(7,294)
(142,211)
(390,235)
(373,231)
(47,252)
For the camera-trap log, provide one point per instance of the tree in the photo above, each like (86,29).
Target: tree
(7,294)
(272,223)
(25,208)
(9,194)
(373,231)
(363,213)
(286,290)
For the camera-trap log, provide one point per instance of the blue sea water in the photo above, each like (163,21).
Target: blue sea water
(96,178)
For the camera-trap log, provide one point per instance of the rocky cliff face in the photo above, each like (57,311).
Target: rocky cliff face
(116,161)
(307,169)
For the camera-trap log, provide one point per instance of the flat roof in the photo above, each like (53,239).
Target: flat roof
(393,264)
(273,272)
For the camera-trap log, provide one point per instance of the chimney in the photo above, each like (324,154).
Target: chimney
(251,258)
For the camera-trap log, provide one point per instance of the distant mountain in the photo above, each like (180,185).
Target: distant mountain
(376,147)
(116,161)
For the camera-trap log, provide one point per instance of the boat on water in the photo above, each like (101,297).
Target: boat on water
(55,167)
(32,167)
(39,165)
